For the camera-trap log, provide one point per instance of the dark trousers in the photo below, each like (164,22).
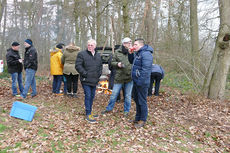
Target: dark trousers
(155,77)
(140,97)
(72,82)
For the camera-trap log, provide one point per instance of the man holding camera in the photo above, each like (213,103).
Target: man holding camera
(121,63)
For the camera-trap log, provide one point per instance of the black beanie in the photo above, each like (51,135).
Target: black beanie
(60,45)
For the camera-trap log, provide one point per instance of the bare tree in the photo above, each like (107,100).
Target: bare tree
(63,21)
(125,9)
(194,34)
(156,20)
(215,80)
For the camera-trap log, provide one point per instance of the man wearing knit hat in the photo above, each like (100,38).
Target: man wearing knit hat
(30,66)
(14,64)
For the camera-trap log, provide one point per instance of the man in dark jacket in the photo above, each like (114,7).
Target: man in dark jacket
(30,66)
(89,66)
(157,74)
(122,77)
(141,71)
(14,64)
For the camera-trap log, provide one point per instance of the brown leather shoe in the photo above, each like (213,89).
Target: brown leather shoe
(139,124)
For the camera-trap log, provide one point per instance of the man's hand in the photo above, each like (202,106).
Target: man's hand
(119,64)
(20,60)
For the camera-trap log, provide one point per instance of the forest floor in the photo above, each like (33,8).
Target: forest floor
(176,123)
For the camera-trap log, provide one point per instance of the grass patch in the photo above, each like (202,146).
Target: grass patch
(180,81)
(110,132)
(18,144)
(5,73)
(2,128)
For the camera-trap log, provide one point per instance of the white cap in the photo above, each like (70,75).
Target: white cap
(126,39)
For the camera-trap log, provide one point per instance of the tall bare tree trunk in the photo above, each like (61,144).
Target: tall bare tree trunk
(215,80)
(179,23)
(155,24)
(194,35)
(125,9)
(77,18)
(3,9)
(98,24)
(63,22)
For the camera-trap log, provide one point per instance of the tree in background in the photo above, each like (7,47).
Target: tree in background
(215,80)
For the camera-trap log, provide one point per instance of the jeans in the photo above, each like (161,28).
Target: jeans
(65,83)
(89,96)
(30,81)
(57,79)
(17,78)
(72,83)
(155,77)
(140,98)
(116,91)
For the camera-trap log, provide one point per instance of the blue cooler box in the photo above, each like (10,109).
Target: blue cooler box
(23,111)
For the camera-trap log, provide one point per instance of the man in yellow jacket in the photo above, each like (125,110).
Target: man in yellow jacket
(56,68)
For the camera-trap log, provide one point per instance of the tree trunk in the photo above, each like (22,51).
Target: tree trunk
(155,24)
(215,80)
(125,10)
(3,9)
(98,23)
(76,18)
(194,35)
(63,22)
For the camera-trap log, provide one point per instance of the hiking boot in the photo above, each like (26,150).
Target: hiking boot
(105,112)
(126,114)
(94,115)
(20,98)
(75,95)
(59,94)
(133,121)
(90,119)
(32,96)
(17,95)
(139,124)
(69,95)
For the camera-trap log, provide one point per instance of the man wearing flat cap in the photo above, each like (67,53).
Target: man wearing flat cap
(14,64)
(122,66)
(30,66)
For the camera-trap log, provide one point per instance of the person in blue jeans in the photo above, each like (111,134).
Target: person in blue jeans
(89,66)
(121,63)
(30,66)
(141,70)
(14,65)
(56,68)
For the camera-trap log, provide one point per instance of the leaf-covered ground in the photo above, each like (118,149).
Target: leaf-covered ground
(176,123)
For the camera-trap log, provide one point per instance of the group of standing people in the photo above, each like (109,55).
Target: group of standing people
(133,73)
(15,66)
(62,67)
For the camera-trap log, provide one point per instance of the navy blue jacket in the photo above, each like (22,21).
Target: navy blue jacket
(158,69)
(142,66)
